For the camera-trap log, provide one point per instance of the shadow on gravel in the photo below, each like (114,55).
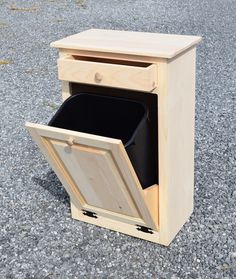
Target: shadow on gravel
(51,183)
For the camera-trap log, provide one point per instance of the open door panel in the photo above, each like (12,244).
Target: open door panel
(97,174)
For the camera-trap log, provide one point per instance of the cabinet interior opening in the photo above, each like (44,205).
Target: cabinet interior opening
(111,61)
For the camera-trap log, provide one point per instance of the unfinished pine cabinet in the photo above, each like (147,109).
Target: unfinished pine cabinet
(125,154)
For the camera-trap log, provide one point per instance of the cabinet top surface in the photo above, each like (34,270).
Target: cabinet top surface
(127,42)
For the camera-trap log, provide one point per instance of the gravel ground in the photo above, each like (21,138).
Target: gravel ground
(38,238)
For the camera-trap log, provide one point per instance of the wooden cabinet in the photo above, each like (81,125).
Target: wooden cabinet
(95,170)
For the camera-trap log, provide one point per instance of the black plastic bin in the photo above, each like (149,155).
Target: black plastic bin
(115,118)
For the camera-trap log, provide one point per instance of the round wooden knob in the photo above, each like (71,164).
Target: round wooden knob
(70,141)
(98,77)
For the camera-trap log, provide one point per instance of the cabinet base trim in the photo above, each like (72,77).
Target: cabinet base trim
(114,225)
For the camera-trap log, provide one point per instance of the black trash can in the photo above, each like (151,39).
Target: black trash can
(113,117)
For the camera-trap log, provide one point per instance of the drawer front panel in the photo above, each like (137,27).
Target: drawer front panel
(139,77)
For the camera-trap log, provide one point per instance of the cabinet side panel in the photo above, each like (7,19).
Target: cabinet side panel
(176,195)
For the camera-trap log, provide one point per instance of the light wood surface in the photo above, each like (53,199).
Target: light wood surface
(134,43)
(56,163)
(100,174)
(65,87)
(96,175)
(140,77)
(151,196)
(110,55)
(176,98)
(113,224)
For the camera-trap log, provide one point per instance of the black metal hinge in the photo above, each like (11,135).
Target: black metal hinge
(90,214)
(144,229)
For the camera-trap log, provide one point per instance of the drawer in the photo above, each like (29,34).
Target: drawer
(107,72)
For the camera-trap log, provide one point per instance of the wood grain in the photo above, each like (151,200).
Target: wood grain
(176,99)
(129,43)
(101,174)
(108,74)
